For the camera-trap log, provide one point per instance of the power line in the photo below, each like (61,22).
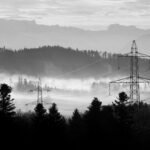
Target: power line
(39,89)
(134,79)
(79,69)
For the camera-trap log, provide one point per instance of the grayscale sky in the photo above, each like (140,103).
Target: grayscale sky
(92,14)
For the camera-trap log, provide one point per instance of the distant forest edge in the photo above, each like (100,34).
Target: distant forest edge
(59,62)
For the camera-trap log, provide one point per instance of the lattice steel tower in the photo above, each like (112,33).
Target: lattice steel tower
(39,91)
(134,79)
(134,74)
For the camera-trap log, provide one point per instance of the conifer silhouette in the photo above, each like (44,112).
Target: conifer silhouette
(93,122)
(122,100)
(54,116)
(124,117)
(77,130)
(120,106)
(40,110)
(7,115)
(95,107)
(56,127)
(76,116)
(6,102)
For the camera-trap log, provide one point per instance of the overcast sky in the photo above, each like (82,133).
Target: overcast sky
(91,14)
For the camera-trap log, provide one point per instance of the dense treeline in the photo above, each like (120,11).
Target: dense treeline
(120,125)
(56,61)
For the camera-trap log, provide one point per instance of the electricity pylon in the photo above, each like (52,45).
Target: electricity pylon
(134,79)
(39,91)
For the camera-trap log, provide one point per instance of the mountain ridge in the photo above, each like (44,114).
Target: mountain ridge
(29,34)
(59,62)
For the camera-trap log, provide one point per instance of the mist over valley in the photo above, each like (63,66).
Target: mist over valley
(74,77)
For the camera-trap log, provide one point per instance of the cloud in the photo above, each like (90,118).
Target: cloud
(77,7)
(78,12)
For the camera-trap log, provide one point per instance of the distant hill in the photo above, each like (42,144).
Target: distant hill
(117,38)
(62,62)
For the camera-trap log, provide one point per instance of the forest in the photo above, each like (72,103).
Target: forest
(55,61)
(120,125)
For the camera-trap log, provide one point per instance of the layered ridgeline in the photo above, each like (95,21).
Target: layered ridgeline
(59,62)
(116,38)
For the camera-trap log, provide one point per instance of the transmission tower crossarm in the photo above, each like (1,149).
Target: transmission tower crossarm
(143,55)
(130,82)
(139,55)
(34,102)
(118,81)
(144,78)
(125,55)
(131,55)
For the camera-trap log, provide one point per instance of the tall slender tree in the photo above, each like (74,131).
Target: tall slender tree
(120,107)
(124,117)
(6,102)
(40,110)
(54,115)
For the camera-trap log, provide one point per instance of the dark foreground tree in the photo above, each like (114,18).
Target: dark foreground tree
(95,105)
(94,109)
(6,102)
(40,110)
(77,131)
(6,116)
(56,127)
(120,107)
(55,118)
(93,121)
(39,123)
(123,98)
(124,117)
(76,118)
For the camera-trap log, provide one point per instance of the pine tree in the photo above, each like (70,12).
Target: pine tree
(120,107)
(77,124)
(56,127)
(124,117)
(54,115)
(95,106)
(93,122)
(76,116)
(122,100)
(56,120)
(40,110)
(6,103)
(77,130)
(93,115)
